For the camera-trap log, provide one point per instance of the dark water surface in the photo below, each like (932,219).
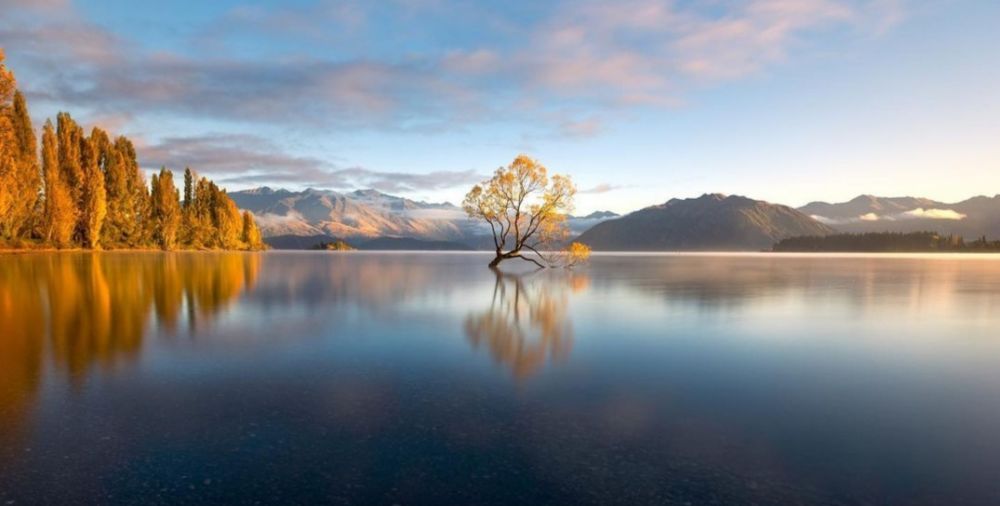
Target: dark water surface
(311,378)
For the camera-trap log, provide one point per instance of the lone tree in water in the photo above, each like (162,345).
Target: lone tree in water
(526,211)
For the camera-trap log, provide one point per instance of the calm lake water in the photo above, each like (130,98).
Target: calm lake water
(364,378)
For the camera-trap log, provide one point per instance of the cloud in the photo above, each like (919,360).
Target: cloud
(933,214)
(913,214)
(250,160)
(574,58)
(602,188)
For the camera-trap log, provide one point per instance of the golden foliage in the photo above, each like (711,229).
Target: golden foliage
(93,310)
(60,213)
(90,192)
(524,207)
(527,322)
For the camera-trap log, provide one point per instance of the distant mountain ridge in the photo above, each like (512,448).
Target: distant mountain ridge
(712,221)
(709,222)
(970,218)
(357,214)
(363,215)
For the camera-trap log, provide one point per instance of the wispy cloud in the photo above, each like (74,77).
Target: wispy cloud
(913,214)
(574,57)
(250,160)
(601,188)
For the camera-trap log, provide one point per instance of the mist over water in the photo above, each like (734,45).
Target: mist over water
(414,378)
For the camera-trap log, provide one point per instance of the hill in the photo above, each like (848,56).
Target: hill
(362,215)
(709,222)
(971,218)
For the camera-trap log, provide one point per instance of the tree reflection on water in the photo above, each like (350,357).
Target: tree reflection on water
(527,323)
(82,310)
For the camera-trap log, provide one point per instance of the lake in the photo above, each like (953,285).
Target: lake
(424,378)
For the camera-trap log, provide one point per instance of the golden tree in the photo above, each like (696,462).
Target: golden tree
(166,209)
(9,152)
(60,213)
(526,211)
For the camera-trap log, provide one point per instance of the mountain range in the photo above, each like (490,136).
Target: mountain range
(710,222)
(363,215)
(969,218)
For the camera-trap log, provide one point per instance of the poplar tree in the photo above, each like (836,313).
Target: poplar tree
(228,222)
(166,212)
(25,178)
(59,216)
(94,197)
(8,151)
(251,233)
(136,206)
(118,221)
(91,192)
(71,172)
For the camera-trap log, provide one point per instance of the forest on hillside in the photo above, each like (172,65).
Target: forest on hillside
(886,242)
(88,191)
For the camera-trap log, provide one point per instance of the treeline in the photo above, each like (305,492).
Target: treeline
(886,242)
(88,191)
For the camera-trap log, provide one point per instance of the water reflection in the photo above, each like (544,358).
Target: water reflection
(84,310)
(425,378)
(527,322)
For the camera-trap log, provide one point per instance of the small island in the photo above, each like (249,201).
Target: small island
(887,242)
(336,245)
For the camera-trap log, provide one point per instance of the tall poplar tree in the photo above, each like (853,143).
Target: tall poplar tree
(166,215)
(251,233)
(71,171)
(136,206)
(60,217)
(25,179)
(94,197)
(8,151)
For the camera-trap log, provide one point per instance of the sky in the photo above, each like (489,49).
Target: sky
(640,101)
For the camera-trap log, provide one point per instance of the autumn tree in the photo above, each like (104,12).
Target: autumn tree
(166,211)
(228,221)
(24,181)
(70,137)
(94,196)
(90,192)
(8,147)
(251,233)
(19,179)
(119,220)
(525,209)
(59,212)
(135,206)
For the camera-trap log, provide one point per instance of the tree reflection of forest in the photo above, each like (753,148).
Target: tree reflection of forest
(527,322)
(87,309)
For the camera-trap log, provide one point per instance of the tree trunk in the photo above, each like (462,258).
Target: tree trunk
(496,261)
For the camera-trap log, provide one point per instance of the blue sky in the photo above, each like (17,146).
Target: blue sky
(639,100)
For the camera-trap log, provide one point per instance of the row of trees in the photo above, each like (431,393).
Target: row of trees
(886,242)
(88,191)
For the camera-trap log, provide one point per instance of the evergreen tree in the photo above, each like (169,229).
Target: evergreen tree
(187,213)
